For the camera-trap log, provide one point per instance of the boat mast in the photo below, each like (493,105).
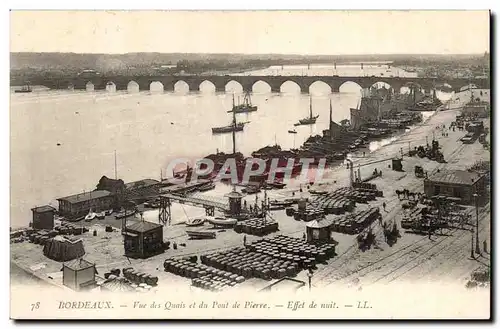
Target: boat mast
(234,132)
(331,119)
(116,174)
(310,107)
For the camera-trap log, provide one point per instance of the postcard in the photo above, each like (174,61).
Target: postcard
(250,165)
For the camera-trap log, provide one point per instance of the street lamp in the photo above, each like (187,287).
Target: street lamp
(478,250)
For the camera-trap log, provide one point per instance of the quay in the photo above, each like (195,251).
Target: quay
(105,248)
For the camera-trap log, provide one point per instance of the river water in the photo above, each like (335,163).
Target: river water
(62,142)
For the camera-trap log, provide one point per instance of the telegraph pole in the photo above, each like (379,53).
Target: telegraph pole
(478,250)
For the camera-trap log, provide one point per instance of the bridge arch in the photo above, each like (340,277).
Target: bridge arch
(156,87)
(233,87)
(132,87)
(181,86)
(319,88)
(110,87)
(406,88)
(381,85)
(207,86)
(290,87)
(350,87)
(261,86)
(89,86)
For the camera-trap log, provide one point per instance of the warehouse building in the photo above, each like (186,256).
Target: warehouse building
(460,184)
(80,204)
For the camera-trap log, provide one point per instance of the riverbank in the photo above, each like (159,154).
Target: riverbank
(106,248)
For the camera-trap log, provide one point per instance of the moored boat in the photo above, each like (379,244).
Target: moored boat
(244,107)
(196,235)
(221,221)
(310,120)
(125,214)
(90,216)
(100,215)
(25,89)
(229,128)
(198,221)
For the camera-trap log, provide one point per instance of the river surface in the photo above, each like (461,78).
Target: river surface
(62,142)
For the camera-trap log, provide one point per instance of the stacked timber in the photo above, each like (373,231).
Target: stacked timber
(256,226)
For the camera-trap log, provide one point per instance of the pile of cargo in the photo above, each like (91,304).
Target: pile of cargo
(248,263)
(293,250)
(137,277)
(202,275)
(256,226)
(312,212)
(70,229)
(355,223)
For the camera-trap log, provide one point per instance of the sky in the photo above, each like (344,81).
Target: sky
(251,32)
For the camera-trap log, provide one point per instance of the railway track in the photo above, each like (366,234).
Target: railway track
(421,257)
(352,251)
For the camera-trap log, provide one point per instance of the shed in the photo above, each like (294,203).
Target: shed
(460,184)
(79,274)
(43,217)
(319,230)
(143,239)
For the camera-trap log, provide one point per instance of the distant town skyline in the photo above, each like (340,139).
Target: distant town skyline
(252,32)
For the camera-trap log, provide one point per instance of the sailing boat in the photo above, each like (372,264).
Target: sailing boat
(311,119)
(233,127)
(246,106)
(25,89)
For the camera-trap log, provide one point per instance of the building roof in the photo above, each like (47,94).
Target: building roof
(141,183)
(234,195)
(77,198)
(78,264)
(322,223)
(455,177)
(142,226)
(42,209)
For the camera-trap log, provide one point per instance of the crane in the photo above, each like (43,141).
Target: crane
(351,167)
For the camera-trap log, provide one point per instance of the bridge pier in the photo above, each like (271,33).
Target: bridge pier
(275,89)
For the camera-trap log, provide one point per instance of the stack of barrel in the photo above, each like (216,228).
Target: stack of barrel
(333,204)
(353,224)
(309,214)
(202,275)
(294,250)
(256,226)
(249,264)
(137,277)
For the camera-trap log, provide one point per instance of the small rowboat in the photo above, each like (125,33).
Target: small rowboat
(221,221)
(91,215)
(124,214)
(100,215)
(200,235)
(196,222)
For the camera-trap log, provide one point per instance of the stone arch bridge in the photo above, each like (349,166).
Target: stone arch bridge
(275,82)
